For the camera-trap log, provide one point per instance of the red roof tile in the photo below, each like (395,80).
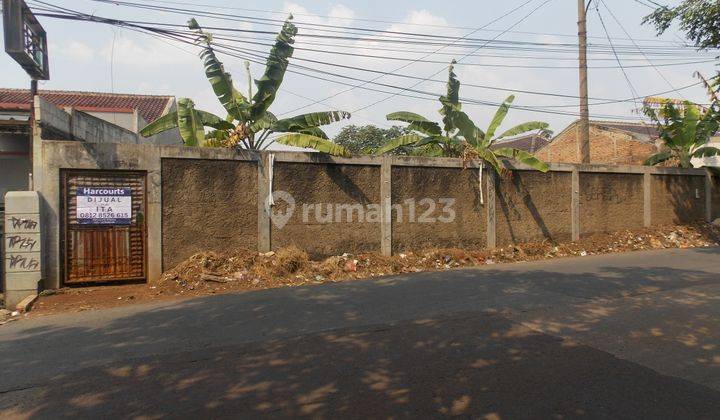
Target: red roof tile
(150,107)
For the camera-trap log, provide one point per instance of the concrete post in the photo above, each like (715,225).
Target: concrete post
(23,260)
(647,199)
(575,205)
(264,187)
(708,196)
(386,206)
(491,215)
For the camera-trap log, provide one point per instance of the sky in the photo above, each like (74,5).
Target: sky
(96,57)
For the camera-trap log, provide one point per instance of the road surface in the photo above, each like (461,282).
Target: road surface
(628,336)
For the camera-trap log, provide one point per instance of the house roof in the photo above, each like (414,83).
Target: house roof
(150,107)
(529,143)
(648,132)
(638,131)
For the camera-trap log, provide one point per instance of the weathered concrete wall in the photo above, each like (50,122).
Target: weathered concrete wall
(58,155)
(432,224)
(532,206)
(92,129)
(677,199)
(323,193)
(610,202)
(208,205)
(193,193)
(715,198)
(22,243)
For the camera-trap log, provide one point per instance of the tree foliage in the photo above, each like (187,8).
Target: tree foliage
(685,131)
(699,19)
(249,123)
(458,135)
(368,138)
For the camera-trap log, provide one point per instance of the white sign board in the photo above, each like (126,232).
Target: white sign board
(104,206)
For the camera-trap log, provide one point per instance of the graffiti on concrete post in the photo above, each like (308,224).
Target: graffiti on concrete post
(21,243)
(22,262)
(23,223)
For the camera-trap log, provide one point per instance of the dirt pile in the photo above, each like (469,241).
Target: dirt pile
(211,272)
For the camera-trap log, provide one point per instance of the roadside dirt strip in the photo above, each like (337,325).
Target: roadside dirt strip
(632,335)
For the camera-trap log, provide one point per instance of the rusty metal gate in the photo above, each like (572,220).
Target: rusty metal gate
(93,252)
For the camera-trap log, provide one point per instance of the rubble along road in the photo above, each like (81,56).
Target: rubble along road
(616,335)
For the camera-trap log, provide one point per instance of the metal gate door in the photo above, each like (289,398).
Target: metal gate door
(103,250)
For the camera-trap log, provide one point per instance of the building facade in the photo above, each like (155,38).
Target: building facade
(130,112)
(618,143)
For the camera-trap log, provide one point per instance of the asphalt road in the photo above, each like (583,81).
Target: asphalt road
(624,336)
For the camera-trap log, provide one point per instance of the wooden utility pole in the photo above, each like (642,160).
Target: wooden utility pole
(584,124)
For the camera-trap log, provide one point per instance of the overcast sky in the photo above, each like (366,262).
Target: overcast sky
(96,57)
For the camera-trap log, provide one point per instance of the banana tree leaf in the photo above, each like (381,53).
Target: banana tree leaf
(212,120)
(265,122)
(428,128)
(707,151)
(499,117)
(439,140)
(490,158)
(467,127)
(190,123)
(658,158)
(231,99)
(275,67)
(313,131)
(405,116)
(451,100)
(523,157)
(428,150)
(417,122)
(523,128)
(164,123)
(312,142)
(304,121)
(404,140)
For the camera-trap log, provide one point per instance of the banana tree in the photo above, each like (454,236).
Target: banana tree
(685,132)
(459,136)
(249,124)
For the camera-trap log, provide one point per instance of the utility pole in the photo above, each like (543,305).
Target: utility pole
(584,124)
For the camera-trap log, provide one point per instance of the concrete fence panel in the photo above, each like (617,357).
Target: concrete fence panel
(208,205)
(437,207)
(677,199)
(715,198)
(534,206)
(326,208)
(610,202)
(207,199)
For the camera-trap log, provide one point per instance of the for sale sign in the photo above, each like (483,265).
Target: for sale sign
(104,206)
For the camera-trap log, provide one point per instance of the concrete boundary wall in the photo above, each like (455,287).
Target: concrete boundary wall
(569,201)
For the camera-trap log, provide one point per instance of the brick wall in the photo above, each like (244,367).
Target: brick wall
(606,146)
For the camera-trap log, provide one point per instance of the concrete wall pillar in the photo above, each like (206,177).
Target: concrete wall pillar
(647,199)
(23,260)
(386,206)
(575,205)
(492,185)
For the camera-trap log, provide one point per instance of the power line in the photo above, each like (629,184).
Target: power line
(622,69)
(179,37)
(360,19)
(461,58)
(628,35)
(397,36)
(407,65)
